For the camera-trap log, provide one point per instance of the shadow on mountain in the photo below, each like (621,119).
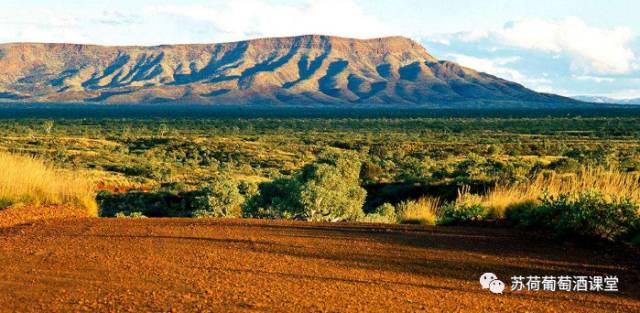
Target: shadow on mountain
(355,84)
(307,68)
(269,65)
(119,63)
(230,59)
(328,84)
(108,94)
(216,93)
(410,72)
(146,68)
(384,70)
(57,82)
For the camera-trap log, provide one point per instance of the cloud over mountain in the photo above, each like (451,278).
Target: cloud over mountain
(564,56)
(593,50)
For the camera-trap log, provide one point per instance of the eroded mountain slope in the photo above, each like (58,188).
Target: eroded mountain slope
(293,70)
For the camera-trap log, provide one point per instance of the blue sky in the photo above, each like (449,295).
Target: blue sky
(566,47)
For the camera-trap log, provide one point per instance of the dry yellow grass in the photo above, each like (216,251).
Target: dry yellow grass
(608,182)
(29,181)
(422,211)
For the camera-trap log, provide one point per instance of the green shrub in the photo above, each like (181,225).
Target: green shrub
(203,214)
(525,214)
(220,198)
(5,203)
(565,165)
(386,209)
(130,215)
(460,213)
(385,214)
(275,199)
(173,187)
(590,214)
(328,190)
(153,204)
(248,189)
(636,239)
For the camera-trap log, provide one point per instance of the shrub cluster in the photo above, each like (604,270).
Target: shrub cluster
(220,197)
(328,190)
(462,213)
(588,213)
(384,214)
(580,214)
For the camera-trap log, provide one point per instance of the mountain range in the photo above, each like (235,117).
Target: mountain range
(602,99)
(309,69)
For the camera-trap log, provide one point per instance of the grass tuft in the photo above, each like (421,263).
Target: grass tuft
(502,197)
(422,211)
(29,181)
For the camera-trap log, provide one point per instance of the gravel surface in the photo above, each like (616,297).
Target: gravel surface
(186,265)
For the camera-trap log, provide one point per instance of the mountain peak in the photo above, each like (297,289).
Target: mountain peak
(289,70)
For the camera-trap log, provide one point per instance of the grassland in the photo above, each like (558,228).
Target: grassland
(407,166)
(523,177)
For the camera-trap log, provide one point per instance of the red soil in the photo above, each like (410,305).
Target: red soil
(101,186)
(24,214)
(186,265)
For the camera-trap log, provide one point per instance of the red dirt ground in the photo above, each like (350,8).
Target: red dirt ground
(186,265)
(15,215)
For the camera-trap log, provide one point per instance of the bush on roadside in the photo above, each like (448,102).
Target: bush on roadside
(384,214)
(221,197)
(130,215)
(328,190)
(525,214)
(421,211)
(153,204)
(589,214)
(275,199)
(462,213)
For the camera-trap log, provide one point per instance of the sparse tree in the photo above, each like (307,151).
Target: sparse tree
(47,126)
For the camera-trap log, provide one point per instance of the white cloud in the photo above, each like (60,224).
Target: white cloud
(593,50)
(499,67)
(473,35)
(69,26)
(239,20)
(625,94)
(597,79)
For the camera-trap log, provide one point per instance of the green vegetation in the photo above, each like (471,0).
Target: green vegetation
(568,175)
(587,214)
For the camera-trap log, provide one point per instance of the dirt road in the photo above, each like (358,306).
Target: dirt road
(181,265)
